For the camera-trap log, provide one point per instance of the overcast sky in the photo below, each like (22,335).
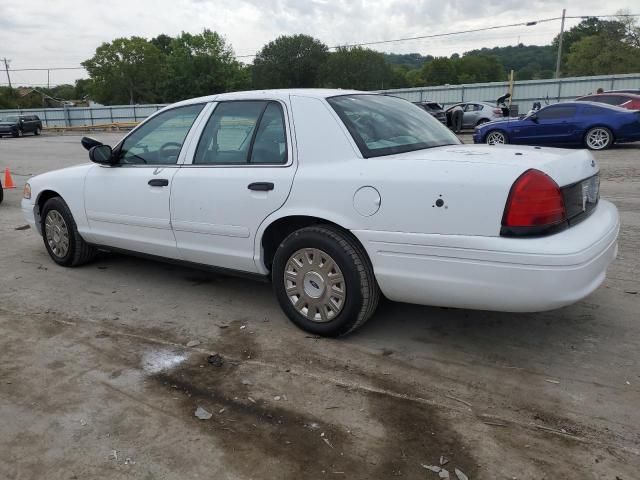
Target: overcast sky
(62,33)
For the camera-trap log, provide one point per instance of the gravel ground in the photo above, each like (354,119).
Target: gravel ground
(96,380)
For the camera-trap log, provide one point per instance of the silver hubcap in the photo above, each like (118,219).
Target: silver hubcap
(315,285)
(496,138)
(57,233)
(598,138)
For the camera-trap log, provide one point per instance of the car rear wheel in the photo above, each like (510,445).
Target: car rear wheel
(37,131)
(61,238)
(598,138)
(481,121)
(324,282)
(496,137)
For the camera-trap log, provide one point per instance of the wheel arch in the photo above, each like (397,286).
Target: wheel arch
(274,231)
(43,196)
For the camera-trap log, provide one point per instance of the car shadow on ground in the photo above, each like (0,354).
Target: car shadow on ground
(523,339)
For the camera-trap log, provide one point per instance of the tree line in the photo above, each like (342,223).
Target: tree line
(166,69)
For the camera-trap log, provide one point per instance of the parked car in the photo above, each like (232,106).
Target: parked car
(18,125)
(475,113)
(596,126)
(624,100)
(435,109)
(368,195)
(635,91)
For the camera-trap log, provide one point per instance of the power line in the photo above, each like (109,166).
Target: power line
(44,69)
(483,29)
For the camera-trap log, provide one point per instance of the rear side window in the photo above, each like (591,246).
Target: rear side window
(592,111)
(243,132)
(555,112)
(384,125)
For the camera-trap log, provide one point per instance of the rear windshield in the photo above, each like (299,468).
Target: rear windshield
(382,125)
(433,106)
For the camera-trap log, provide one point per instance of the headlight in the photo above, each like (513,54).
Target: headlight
(26,193)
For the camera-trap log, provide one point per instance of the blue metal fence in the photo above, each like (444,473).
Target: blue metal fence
(524,94)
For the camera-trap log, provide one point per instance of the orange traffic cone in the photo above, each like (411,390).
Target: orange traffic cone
(8,181)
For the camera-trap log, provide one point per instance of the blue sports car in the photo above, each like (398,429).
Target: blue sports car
(594,125)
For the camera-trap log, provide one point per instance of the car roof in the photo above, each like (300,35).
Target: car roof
(632,96)
(593,104)
(278,94)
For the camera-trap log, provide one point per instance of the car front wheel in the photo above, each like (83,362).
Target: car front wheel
(324,282)
(496,138)
(598,138)
(37,131)
(61,238)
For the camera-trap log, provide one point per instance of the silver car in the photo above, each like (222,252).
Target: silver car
(475,113)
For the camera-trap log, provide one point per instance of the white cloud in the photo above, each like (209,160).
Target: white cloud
(43,33)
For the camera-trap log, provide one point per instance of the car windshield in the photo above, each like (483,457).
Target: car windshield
(383,125)
(11,119)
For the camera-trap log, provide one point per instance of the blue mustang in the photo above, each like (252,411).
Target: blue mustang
(594,125)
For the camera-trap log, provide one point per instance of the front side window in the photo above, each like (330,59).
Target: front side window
(473,107)
(556,112)
(384,125)
(243,132)
(159,140)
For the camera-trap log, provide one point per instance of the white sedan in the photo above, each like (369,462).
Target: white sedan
(336,197)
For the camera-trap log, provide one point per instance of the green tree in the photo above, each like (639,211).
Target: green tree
(588,27)
(289,62)
(475,69)
(602,55)
(358,68)
(198,65)
(124,71)
(440,71)
(414,78)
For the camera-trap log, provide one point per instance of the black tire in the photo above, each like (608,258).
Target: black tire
(37,131)
(481,121)
(16,134)
(1,193)
(362,292)
(594,145)
(79,251)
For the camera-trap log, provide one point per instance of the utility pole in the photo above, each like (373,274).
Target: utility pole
(564,11)
(6,69)
(48,78)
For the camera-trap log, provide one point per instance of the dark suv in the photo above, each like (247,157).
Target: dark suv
(435,109)
(18,125)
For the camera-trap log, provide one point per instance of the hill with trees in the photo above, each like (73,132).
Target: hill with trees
(166,69)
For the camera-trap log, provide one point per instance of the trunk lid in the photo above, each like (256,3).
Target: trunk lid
(566,167)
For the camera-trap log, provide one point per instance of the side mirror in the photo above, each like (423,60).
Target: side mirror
(88,143)
(101,154)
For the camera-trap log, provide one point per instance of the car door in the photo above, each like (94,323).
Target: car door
(127,205)
(553,125)
(241,171)
(471,115)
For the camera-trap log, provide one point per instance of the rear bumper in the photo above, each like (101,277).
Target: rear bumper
(495,273)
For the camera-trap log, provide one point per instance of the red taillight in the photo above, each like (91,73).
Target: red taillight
(534,204)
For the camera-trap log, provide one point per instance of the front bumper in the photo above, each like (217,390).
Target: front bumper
(495,273)
(31,214)
(477,137)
